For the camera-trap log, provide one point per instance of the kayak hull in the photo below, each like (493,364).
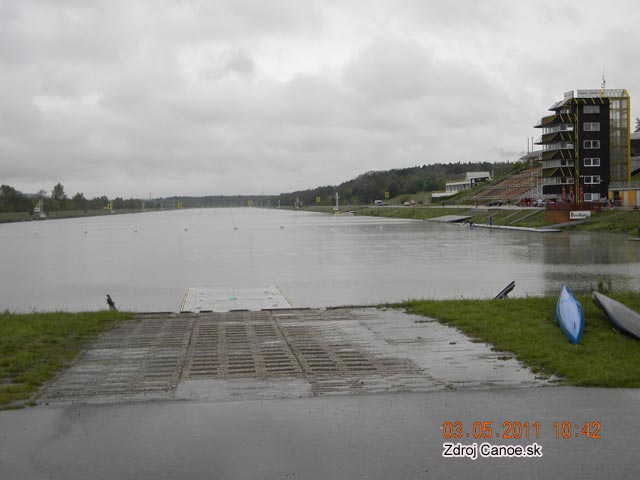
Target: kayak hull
(622,317)
(569,315)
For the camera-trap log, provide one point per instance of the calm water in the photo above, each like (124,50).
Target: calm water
(147,261)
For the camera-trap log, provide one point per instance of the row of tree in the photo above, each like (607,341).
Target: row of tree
(375,185)
(364,189)
(11,200)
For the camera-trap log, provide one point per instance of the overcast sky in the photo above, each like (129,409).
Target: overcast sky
(134,98)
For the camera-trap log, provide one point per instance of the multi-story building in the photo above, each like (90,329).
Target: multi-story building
(586,145)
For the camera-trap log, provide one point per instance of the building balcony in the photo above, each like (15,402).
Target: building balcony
(559,154)
(558,181)
(559,146)
(564,136)
(556,119)
(558,163)
(560,127)
(558,172)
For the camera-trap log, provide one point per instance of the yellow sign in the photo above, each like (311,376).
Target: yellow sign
(317,199)
(386,194)
(179,204)
(250,203)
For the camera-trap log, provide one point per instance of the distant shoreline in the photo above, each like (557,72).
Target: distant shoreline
(612,220)
(26,217)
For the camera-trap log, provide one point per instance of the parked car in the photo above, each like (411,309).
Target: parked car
(494,203)
(541,202)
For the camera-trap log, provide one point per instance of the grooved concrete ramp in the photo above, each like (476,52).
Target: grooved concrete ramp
(226,300)
(450,218)
(280,354)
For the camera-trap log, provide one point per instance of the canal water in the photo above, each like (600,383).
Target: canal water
(146,261)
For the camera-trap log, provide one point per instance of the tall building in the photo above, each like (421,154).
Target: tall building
(586,145)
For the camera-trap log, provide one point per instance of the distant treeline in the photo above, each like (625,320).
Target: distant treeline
(11,201)
(363,189)
(372,186)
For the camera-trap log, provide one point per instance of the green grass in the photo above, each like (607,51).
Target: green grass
(418,213)
(34,347)
(613,220)
(527,328)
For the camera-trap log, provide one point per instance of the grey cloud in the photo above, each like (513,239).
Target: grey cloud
(389,70)
(241,62)
(129,97)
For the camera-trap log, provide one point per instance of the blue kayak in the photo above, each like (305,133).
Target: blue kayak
(569,315)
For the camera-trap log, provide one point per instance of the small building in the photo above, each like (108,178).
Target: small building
(471,179)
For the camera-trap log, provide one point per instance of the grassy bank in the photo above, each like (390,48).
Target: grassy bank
(616,220)
(26,217)
(36,346)
(527,327)
(613,220)
(514,217)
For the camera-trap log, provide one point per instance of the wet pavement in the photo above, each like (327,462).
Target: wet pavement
(375,436)
(310,394)
(281,354)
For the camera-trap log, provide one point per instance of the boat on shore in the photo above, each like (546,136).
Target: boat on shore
(622,317)
(569,315)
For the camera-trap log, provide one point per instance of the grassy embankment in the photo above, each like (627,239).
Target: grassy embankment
(519,217)
(36,346)
(615,220)
(527,327)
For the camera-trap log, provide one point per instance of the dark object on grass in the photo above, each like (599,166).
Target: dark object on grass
(112,304)
(623,318)
(506,291)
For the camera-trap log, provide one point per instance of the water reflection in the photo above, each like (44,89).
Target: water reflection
(146,261)
(580,248)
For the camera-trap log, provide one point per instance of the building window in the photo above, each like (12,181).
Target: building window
(591,197)
(591,144)
(591,126)
(591,162)
(591,109)
(591,179)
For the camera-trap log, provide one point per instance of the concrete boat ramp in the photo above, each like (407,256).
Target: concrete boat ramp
(313,394)
(227,299)
(281,354)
